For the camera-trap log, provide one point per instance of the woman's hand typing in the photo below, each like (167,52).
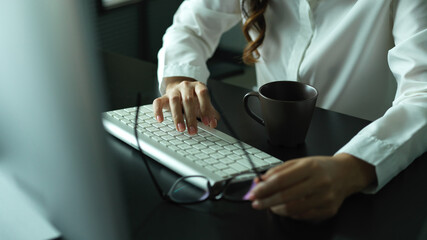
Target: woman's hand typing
(186,99)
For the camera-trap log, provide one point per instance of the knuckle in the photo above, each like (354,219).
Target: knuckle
(329,199)
(325,181)
(200,84)
(188,99)
(202,91)
(313,165)
(185,84)
(157,102)
(175,99)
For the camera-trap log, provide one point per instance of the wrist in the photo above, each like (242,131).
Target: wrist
(356,173)
(170,82)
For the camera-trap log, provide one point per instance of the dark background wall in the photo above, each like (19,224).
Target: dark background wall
(136,30)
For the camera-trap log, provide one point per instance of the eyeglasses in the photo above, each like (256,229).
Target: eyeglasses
(197,188)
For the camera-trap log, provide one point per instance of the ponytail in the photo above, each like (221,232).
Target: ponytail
(254,21)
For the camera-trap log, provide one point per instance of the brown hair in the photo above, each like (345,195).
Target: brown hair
(254,21)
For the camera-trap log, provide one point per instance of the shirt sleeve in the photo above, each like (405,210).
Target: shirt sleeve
(393,141)
(194,36)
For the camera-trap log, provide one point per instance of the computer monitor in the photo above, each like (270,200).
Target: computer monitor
(52,143)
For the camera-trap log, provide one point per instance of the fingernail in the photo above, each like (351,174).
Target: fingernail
(192,130)
(249,196)
(256,204)
(159,118)
(205,121)
(213,122)
(181,127)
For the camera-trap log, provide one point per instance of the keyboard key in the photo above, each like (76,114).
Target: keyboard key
(210,168)
(216,147)
(230,171)
(231,147)
(222,143)
(217,156)
(129,117)
(208,151)
(222,174)
(201,163)
(239,167)
(201,156)
(220,166)
(173,147)
(272,160)
(208,143)
(224,152)
(239,152)
(191,158)
(184,146)
(182,152)
(199,138)
(226,160)
(199,146)
(211,161)
(148,134)
(160,133)
(142,109)
(122,112)
(174,133)
(234,157)
(124,120)
(190,142)
(176,142)
(182,137)
(167,137)
(213,139)
(193,151)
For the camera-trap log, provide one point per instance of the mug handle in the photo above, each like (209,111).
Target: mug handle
(248,110)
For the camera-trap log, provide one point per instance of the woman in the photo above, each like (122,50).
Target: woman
(367,58)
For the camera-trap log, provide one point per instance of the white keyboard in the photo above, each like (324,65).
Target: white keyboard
(210,153)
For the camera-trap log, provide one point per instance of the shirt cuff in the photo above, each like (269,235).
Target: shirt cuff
(378,153)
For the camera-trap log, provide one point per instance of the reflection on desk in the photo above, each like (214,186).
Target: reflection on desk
(398,211)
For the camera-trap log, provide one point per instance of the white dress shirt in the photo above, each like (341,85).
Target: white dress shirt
(367,58)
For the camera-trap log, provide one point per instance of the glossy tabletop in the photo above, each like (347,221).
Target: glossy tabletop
(398,211)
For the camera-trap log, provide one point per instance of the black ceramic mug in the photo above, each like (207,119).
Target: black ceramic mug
(287,108)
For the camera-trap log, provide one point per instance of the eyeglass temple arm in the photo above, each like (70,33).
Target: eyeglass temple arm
(233,134)
(156,184)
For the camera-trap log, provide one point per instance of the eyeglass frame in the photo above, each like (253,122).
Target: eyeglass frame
(211,196)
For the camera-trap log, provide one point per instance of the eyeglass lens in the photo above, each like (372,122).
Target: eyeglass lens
(196,189)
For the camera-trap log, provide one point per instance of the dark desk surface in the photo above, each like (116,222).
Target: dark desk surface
(398,211)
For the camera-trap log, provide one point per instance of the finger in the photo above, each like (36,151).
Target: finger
(189,102)
(280,181)
(176,110)
(158,105)
(310,212)
(208,113)
(317,214)
(278,168)
(280,210)
(294,193)
(307,204)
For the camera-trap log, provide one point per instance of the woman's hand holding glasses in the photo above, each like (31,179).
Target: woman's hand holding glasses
(311,188)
